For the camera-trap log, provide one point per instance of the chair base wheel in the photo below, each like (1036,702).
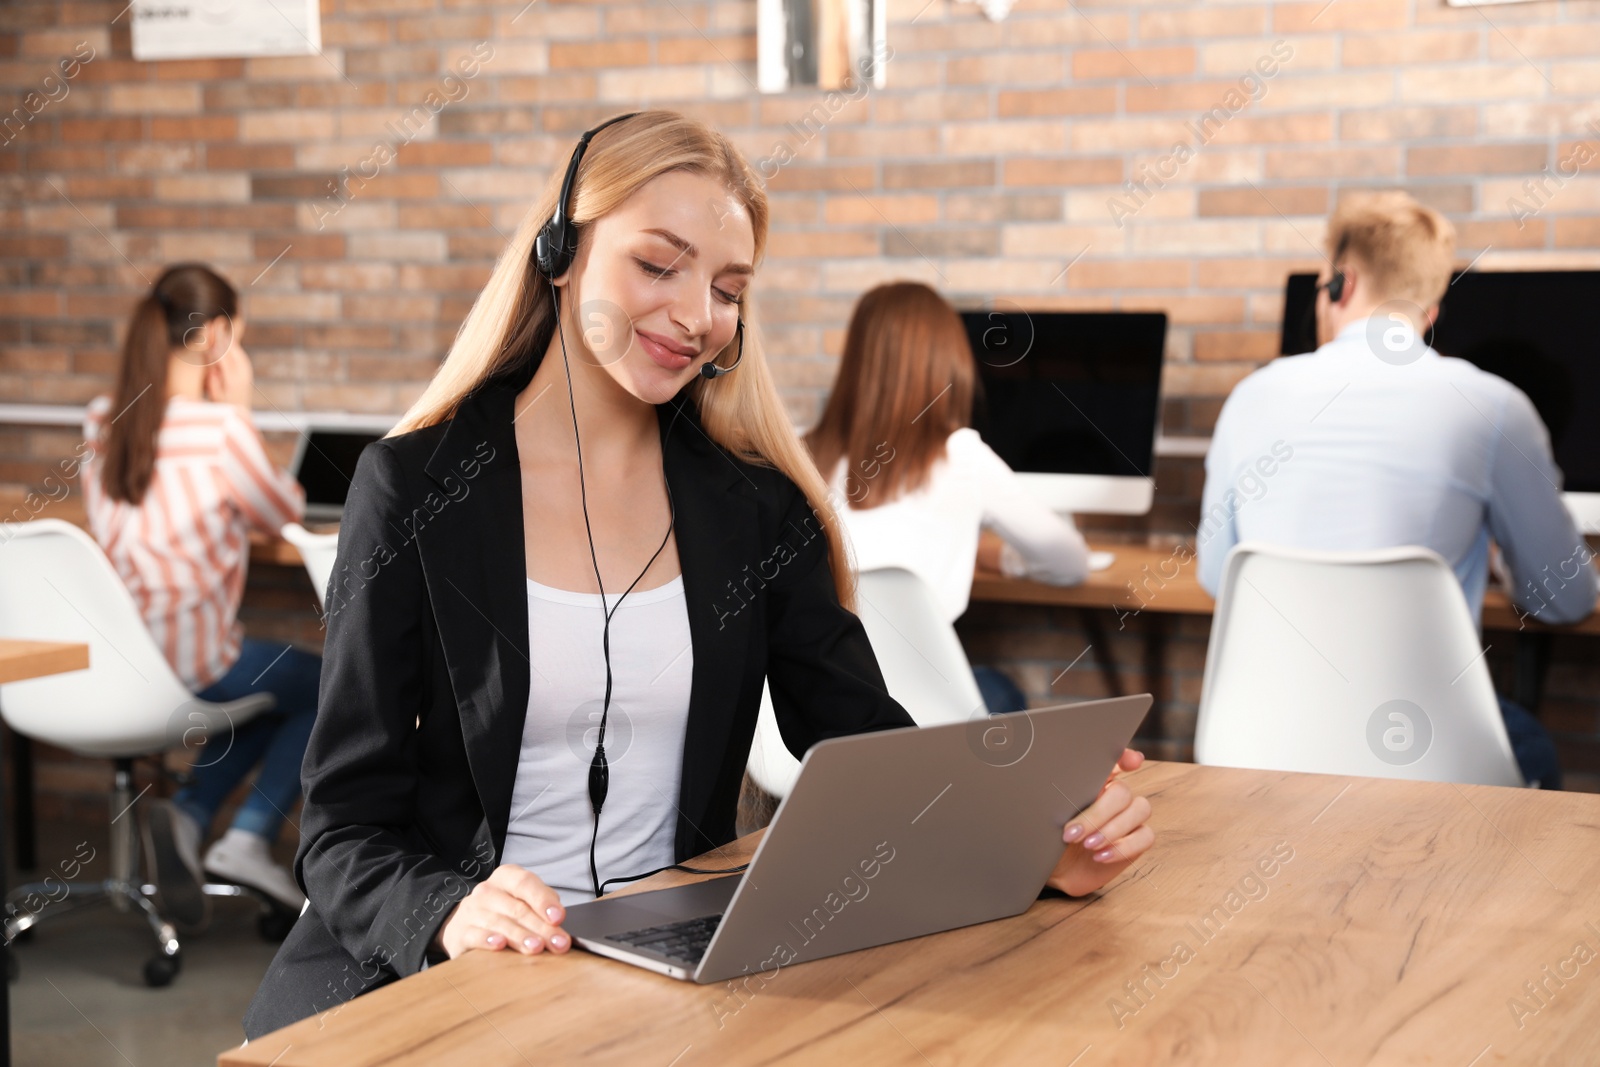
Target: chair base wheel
(159,971)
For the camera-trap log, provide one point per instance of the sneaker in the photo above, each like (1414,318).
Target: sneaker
(173,841)
(243,858)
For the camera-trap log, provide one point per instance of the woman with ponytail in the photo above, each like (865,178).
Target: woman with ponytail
(561,582)
(176,481)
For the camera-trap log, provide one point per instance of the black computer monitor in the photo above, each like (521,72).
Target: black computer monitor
(1072,400)
(1535,329)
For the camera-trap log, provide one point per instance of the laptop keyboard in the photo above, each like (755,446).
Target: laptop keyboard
(685,940)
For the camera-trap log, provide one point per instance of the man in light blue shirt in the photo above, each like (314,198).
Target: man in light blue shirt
(1375,440)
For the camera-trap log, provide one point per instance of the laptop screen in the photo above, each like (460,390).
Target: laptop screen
(328,462)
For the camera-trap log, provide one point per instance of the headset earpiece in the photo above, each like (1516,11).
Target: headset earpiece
(557,240)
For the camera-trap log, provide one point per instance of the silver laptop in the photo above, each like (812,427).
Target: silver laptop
(324,462)
(885,836)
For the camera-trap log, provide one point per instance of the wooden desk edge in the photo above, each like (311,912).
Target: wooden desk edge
(22,660)
(1182,594)
(269,1048)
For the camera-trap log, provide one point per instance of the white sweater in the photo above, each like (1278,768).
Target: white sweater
(933,531)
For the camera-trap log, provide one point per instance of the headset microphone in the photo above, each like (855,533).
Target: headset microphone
(711,372)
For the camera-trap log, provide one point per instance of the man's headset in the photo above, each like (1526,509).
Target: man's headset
(1335,286)
(553,250)
(1335,282)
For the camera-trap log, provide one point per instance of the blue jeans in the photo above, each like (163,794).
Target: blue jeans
(1000,693)
(276,739)
(1532,745)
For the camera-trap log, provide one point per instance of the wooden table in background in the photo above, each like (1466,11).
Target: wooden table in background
(19,661)
(1160,582)
(1398,924)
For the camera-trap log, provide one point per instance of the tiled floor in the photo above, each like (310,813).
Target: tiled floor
(80,1000)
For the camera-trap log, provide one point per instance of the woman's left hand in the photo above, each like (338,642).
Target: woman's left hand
(1106,836)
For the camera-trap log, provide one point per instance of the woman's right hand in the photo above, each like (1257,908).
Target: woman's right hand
(514,909)
(231,379)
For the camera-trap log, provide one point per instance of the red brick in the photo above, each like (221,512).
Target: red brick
(1129,274)
(1320,16)
(1269,200)
(626,53)
(1100,100)
(1256,346)
(1452,160)
(1410,47)
(1067,171)
(1137,63)
(1577,233)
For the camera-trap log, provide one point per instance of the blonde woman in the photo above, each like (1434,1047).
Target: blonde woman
(475,683)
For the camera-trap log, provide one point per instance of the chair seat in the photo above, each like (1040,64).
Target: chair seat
(198,721)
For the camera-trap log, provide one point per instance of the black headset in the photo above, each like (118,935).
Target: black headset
(557,241)
(1335,282)
(553,250)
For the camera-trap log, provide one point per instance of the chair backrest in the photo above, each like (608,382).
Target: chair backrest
(1362,663)
(923,664)
(318,551)
(921,657)
(56,585)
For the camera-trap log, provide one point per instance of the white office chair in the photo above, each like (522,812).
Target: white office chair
(318,551)
(56,585)
(921,657)
(1360,663)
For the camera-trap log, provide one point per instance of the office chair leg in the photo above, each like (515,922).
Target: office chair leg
(124,890)
(124,831)
(26,904)
(162,968)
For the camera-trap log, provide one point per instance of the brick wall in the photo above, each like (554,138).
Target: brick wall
(1057,159)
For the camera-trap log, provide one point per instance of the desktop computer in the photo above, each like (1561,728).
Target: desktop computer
(1535,329)
(1071,400)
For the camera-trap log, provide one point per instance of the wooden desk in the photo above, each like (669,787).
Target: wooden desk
(1406,918)
(1161,582)
(1138,581)
(19,661)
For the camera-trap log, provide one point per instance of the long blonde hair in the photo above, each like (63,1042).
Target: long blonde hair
(512,320)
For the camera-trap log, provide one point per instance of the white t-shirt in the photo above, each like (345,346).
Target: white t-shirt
(932,531)
(652,665)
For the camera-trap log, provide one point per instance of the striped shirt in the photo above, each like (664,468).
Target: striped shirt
(182,552)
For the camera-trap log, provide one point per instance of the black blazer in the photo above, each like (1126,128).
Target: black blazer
(425,675)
